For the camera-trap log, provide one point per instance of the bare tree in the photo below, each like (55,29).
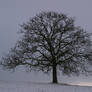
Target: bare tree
(50,42)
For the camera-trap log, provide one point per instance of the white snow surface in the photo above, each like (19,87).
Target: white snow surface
(40,87)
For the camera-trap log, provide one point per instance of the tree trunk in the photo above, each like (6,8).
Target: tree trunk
(54,74)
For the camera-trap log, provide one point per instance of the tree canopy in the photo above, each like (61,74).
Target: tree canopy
(50,41)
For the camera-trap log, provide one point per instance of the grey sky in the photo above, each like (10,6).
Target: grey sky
(15,12)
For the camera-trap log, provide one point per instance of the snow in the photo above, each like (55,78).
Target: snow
(40,87)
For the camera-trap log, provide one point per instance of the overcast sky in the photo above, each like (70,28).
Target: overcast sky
(15,12)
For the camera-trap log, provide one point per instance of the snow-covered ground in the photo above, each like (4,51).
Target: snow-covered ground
(40,87)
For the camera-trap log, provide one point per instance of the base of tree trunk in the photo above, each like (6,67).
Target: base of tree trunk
(55,82)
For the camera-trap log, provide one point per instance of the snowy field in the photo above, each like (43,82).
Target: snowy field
(40,87)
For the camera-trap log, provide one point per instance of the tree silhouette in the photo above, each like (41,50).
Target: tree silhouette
(50,42)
